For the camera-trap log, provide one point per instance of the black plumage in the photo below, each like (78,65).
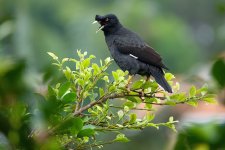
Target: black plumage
(130,52)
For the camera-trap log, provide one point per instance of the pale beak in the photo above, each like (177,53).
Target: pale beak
(100,28)
(95,22)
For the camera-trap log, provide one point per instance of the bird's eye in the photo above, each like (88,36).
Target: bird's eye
(107,19)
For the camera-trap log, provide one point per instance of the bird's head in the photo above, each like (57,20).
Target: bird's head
(107,22)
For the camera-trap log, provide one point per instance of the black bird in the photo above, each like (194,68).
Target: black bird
(130,52)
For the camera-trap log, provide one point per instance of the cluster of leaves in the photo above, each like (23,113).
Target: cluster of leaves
(14,112)
(218,72)
(84,104)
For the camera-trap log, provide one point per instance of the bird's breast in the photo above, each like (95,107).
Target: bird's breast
(125,62)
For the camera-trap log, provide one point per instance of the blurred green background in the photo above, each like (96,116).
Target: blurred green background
(189,34)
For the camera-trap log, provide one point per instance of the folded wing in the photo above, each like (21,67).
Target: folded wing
(137,47)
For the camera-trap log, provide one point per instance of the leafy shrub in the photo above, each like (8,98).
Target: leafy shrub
(82,106)
(74,111)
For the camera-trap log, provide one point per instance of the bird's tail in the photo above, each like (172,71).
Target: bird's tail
(158,74)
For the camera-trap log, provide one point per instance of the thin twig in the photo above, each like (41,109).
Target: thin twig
(99,101)
(135,126)
(175,102)
(119,107)
(78,99)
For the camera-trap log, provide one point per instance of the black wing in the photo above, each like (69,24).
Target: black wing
(133,44)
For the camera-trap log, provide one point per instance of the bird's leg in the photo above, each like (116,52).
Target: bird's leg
(128,82)
(148,77)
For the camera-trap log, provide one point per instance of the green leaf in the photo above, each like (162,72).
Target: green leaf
(57,85)
(77,65)
(120,114)
(171,119)
(149,116)
(133,118)
(56,64)
(96,69)
(115,75)
(210,96)
(65,60)
(63,89)
(80,82)
(121,138)
(173,127)
(178,97)
(86,63)
(154,86)
(169,102)
(86,132)
(203,90)
(176,87)
(107,60)
(77,125)
(120,73)
(74,125)
(126,109)
(146,85)
(92,56)
(52,55)
(192,91)
(133,99)
(129,104)
(80,54)
(106,79)
(148,106)
(67,73)
(169,76)
(138,84)
(218,72)
(69,97)
(153,125)
(99,108)
(150,100)
(112,88)
(85,139)
(210,100)
(101,92)
(51,91)
(192,103)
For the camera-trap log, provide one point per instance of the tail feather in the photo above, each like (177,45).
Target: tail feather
(158,74)
(162,82)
